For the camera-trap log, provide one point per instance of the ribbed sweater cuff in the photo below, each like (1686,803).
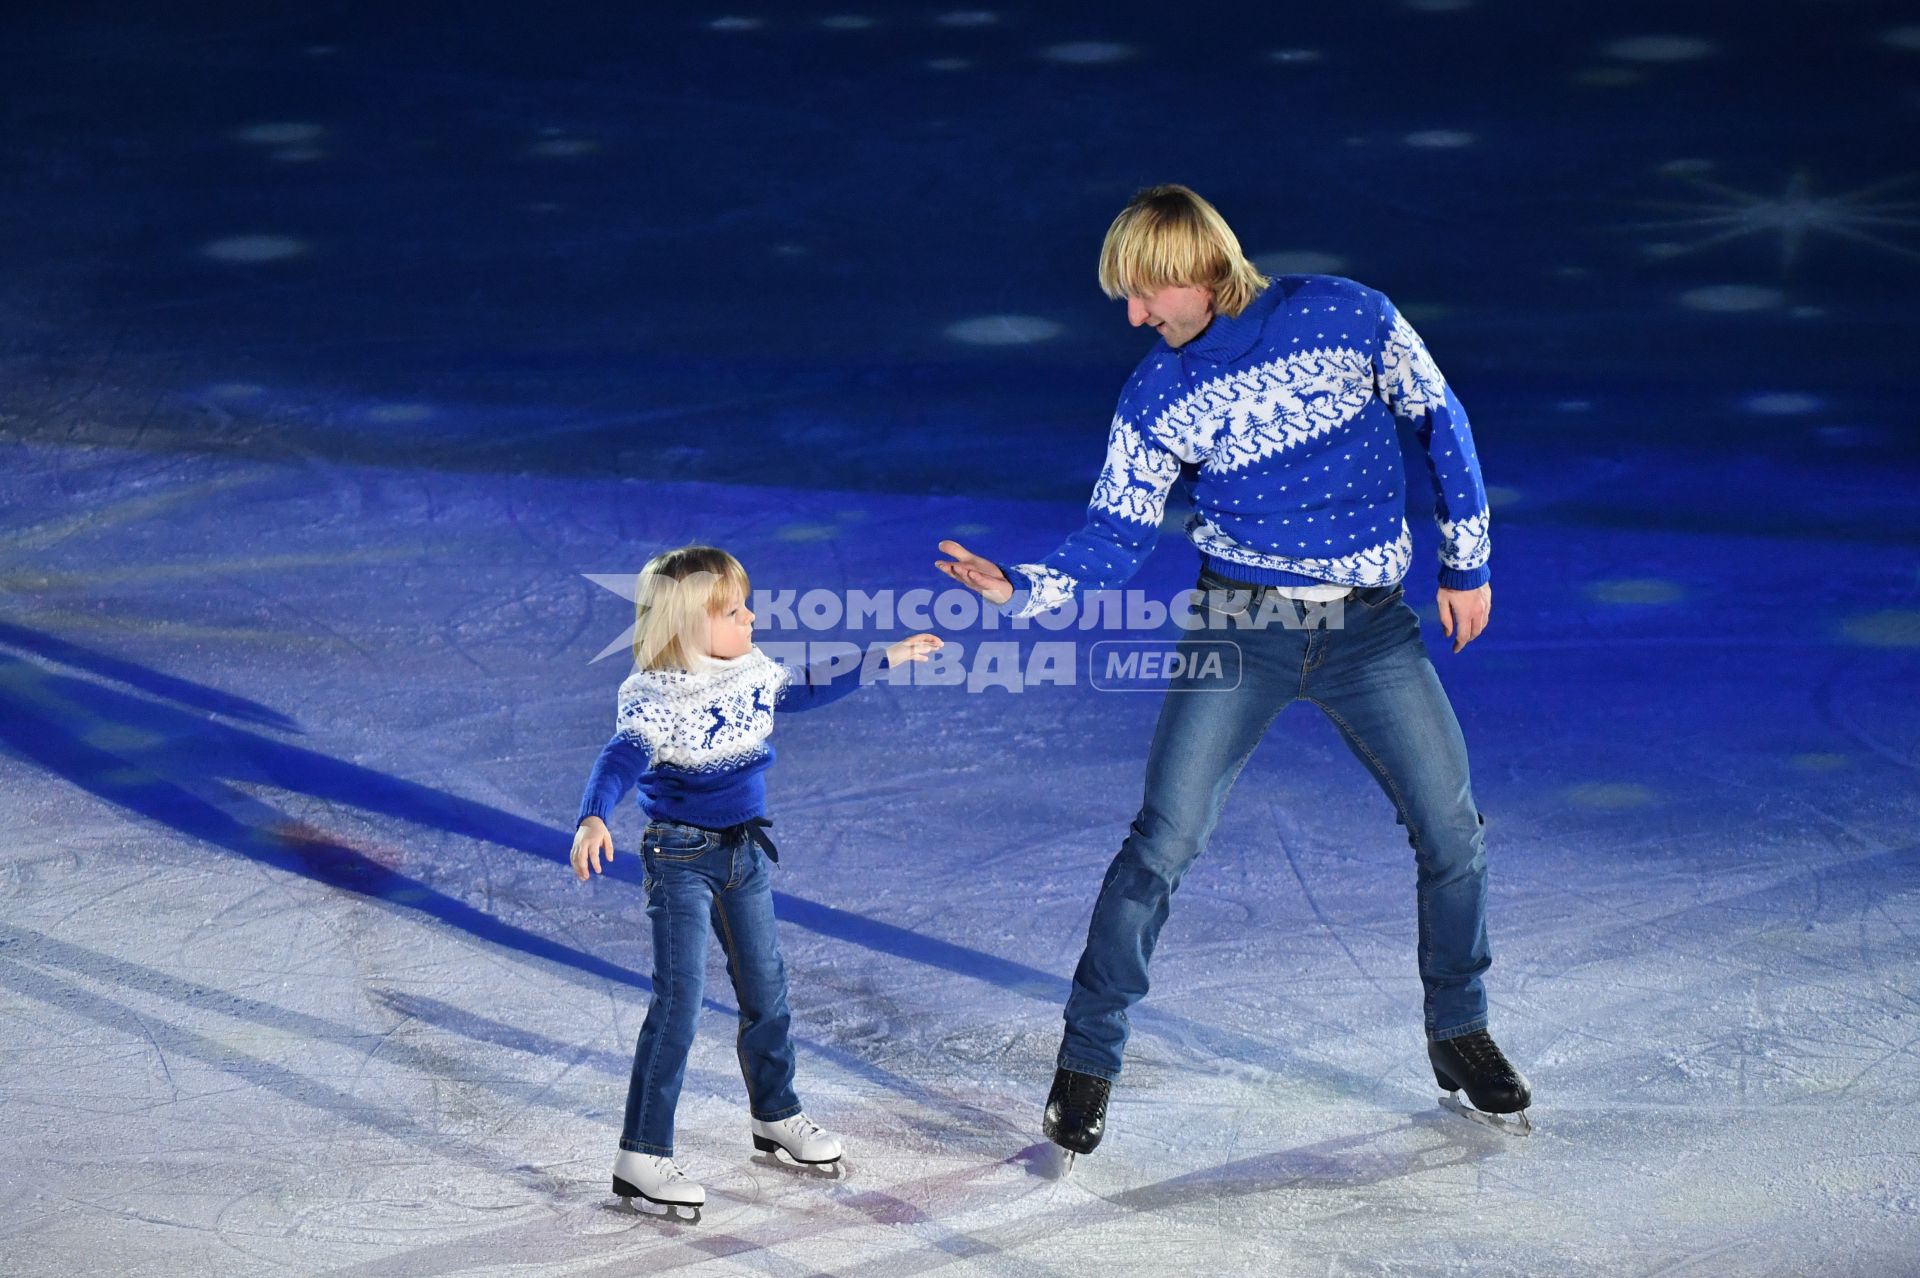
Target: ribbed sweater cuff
(1470,579)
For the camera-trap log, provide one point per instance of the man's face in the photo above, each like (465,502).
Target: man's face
(1178,312)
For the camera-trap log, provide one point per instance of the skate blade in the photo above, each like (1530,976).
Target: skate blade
(679,1213)
(632,1197)
(767,1153)
(1516,1124)
(835,1170)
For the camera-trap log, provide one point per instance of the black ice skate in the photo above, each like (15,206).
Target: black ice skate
(1076,1115)
(1499,1092)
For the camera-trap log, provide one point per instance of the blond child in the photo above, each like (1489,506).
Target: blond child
(691,736)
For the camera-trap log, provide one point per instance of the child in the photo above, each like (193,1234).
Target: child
(692,735)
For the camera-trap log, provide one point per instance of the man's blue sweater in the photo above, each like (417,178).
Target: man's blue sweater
(1283,419)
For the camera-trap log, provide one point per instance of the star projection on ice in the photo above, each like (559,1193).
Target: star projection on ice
(1791,217)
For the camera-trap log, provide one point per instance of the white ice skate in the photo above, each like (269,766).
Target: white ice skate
(658,1180)
(801,1137)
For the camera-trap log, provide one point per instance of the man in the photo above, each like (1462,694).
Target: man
(1277,400)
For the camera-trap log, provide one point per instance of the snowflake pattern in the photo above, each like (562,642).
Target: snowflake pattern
(1051,588)
(1379,565)
(1465,545)
(1133,484)
(710,720)
(1409,379)
(1235,421)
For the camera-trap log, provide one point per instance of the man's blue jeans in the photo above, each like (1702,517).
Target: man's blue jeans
(1371,677)
(699,881)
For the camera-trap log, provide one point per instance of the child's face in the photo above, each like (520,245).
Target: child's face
(729,628)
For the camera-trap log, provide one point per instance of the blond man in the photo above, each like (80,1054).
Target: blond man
(1276,400)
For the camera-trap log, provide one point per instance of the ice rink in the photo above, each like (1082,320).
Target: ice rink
(341,352)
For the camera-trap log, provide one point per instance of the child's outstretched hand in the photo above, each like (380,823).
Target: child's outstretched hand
(589,841)
(912,648)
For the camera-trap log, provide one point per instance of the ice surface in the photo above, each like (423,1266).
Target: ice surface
(338,346)
(296,979)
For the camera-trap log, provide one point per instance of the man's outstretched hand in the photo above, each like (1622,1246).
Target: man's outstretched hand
(1464,613)
(971,570)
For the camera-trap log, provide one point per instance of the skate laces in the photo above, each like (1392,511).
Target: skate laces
(1092,1091)
(803,1127)
(1481,1051)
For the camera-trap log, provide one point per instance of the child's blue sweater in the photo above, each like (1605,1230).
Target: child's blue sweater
(1283,419)
(694,742)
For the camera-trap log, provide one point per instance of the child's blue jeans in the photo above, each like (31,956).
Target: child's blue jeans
(699,881)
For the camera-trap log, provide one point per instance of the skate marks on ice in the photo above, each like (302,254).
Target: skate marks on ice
(524,1186)
(428,1149)
(1104,1221)
(191,786)
(875,1223)
(202,801)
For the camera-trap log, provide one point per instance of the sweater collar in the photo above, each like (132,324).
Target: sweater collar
(1229,337)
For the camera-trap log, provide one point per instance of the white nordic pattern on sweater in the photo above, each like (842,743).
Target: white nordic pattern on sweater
(1051,588)
(1465,543)
(1236,421)
(1229,423)
(1375,566)
(706,720)
(1133,484)
(1285,403)
(1410,378)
